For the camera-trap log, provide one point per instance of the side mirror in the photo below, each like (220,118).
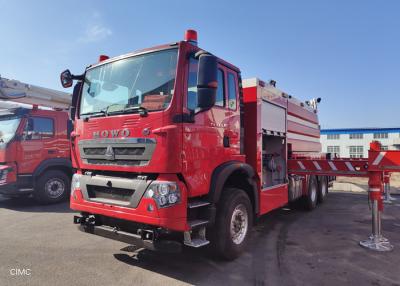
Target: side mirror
(66,79)
(75,96)
(207,81)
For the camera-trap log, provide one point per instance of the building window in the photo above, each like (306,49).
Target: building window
(356,136)
(384,147)
(381,135)
(333,150)
(333,136)
(356,151)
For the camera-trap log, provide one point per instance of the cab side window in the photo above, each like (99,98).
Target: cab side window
(192,86)
(38,128)
(220,98)
(232,102)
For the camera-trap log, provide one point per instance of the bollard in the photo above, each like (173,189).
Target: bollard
(376,241)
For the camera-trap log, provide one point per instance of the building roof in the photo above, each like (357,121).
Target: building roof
(360,130)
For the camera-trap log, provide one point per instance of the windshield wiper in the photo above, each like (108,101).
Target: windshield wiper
(127,109)
(142,110)
(94,114)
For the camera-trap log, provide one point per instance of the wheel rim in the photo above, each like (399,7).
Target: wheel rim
(54,188)
(239,224)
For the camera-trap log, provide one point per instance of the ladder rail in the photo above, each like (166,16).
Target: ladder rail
(19,92)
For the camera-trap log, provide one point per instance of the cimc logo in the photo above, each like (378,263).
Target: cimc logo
(20,272)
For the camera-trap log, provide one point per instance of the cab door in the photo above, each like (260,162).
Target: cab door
(209,140)
(36,145)
(231,120)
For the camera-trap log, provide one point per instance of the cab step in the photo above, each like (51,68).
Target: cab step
(197,204)
(196,238)
(197,223)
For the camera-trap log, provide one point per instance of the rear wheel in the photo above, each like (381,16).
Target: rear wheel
(310,200)
(322,189)
(233,223)
(52,187)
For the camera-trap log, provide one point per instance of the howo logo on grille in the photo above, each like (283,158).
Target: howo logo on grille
(110,155)
(111,133)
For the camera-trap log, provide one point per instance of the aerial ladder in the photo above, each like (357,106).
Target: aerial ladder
(14,93)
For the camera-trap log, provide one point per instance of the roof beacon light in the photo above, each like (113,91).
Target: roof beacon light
(191,37)
(103,58)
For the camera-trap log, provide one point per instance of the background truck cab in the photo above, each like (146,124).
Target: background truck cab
(34,154)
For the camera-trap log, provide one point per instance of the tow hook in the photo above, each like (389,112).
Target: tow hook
(146,234)
(87,220)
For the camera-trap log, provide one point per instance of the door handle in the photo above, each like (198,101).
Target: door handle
(226,141)
(51,151)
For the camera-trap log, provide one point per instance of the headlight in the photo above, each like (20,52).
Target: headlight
(165,194)
(75,182)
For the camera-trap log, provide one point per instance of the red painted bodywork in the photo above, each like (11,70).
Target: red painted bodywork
(191,150)
(26,156)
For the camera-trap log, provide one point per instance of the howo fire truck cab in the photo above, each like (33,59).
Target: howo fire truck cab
(171,147)
(34,143)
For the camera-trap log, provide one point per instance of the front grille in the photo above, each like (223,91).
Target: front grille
(117,151)
(95,151)
(129,151)
(117,162)
(112,193)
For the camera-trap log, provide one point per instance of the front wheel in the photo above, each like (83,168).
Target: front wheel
(52,187)
(233,223)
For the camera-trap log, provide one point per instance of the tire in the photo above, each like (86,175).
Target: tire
(322,189)
(310,200)
(227,240)
(52,187)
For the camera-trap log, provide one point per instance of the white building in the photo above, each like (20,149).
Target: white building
(354,142)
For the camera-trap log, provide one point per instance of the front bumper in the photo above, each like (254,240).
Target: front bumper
(145,238)
(15,189)
(9,189)
(137,209)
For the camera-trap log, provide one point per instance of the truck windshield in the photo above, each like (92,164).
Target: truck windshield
(8,126)
(144,82)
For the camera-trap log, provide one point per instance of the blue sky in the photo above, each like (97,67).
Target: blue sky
(346,52)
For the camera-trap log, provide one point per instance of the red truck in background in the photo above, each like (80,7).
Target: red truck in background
(34,142)
(171,147)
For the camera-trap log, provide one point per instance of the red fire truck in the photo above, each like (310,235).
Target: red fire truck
(172,147)
(34,144)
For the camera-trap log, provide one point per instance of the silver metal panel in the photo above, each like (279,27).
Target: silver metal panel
(114,184)
(273,117)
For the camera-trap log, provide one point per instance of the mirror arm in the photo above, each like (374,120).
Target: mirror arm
(78,77)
